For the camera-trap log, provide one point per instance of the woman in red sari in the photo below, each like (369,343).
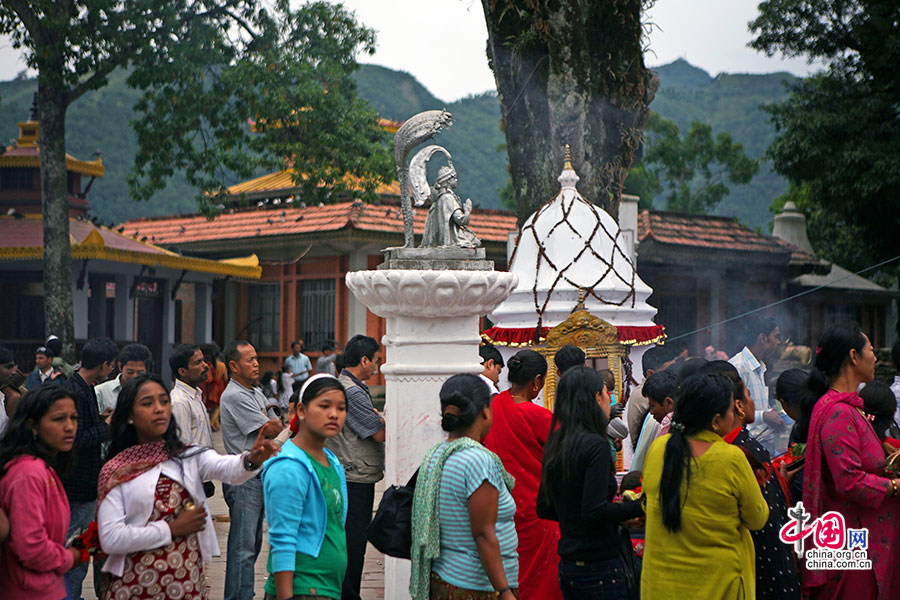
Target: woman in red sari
(844,469)
(518,434)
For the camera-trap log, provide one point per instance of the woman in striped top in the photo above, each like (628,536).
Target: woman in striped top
(463,531)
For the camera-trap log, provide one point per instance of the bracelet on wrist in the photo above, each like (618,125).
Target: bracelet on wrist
(503,591)
(894,488)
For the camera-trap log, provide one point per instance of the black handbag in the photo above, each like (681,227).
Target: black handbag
(391,528)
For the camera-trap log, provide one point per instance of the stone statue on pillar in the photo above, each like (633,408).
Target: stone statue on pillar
(447,223)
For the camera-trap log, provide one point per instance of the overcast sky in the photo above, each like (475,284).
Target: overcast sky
(442,42)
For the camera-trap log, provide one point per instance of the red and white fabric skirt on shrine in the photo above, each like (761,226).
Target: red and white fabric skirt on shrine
(173,572)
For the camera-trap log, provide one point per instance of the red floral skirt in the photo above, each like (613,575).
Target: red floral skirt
(173,572)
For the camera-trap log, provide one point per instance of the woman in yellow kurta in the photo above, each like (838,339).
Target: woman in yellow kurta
(702,500)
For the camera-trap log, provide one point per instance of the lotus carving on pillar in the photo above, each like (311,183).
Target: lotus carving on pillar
(431,293)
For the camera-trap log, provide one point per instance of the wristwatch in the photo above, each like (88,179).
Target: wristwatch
(249,465)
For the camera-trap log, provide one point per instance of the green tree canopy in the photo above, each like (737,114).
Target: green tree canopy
(839,131)
(206,68)
(693,169)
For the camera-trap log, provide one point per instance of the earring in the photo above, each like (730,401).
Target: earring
(130,421)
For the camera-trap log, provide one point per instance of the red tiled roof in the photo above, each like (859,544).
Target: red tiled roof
(29,233)
(489,225)
(712,232)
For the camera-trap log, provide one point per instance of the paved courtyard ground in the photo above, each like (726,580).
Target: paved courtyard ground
(373,573)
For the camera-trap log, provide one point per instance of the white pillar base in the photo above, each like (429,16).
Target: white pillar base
(432,333)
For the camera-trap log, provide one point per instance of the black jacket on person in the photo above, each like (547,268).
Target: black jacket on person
(81,482)
(588,517)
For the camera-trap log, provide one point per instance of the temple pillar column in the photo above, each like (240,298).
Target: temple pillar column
(432,319)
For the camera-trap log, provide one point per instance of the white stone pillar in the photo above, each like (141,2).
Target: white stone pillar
(432,333)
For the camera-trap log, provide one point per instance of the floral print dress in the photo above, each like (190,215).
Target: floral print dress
(173,572)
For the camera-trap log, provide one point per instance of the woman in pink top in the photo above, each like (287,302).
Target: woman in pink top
(37,442)
(844,469)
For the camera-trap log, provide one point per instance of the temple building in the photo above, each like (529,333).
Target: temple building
(123,287)
(578,285)
(305,253)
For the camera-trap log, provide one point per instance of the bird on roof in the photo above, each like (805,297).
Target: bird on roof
(388,213)
(356,203)
(120,228)
(270,221)
(258,230)
(298,219)
(144,239)
(15,214)
(183,229)
(303,205)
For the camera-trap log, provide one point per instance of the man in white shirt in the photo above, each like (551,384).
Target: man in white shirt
(133,360)
(492,361)
(298,364)
(190,370)
(762,336)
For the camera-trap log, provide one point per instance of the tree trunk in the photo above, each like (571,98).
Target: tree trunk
(58,309)
(569,72)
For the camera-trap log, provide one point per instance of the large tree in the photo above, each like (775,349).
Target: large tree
(839,131)
(569,72)
(206,67)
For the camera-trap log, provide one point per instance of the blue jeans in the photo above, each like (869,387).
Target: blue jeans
(80,516)
(246,509)
(593,580)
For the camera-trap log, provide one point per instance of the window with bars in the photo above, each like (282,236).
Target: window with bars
(317,301)
(265,316)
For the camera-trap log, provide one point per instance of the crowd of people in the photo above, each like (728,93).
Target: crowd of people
(104,464)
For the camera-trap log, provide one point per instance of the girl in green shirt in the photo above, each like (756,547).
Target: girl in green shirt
(305,496)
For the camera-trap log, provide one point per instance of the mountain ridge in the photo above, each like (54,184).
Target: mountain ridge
(728,102)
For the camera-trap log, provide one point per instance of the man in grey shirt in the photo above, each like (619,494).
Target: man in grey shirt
(243,411)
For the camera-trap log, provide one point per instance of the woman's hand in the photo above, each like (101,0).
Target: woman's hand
(188,522)
(265,447)
(76,557)
(507,595)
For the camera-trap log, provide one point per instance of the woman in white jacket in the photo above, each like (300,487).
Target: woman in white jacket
(151,512)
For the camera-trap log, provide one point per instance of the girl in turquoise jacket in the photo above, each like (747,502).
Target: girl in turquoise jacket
(305,496)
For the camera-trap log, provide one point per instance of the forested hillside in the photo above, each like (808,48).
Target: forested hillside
(100,121)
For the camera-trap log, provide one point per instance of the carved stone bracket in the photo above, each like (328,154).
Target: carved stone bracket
(431,294)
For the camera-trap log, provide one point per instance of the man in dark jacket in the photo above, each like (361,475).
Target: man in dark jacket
(97,361)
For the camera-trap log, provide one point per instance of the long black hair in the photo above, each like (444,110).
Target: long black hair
(463,397)
(19,438)
(700,398)
(835,345)
(575,415)
(124,434)
(723,367)
(792,389)
(880,404)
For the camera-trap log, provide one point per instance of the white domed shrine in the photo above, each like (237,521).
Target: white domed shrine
(571,247)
